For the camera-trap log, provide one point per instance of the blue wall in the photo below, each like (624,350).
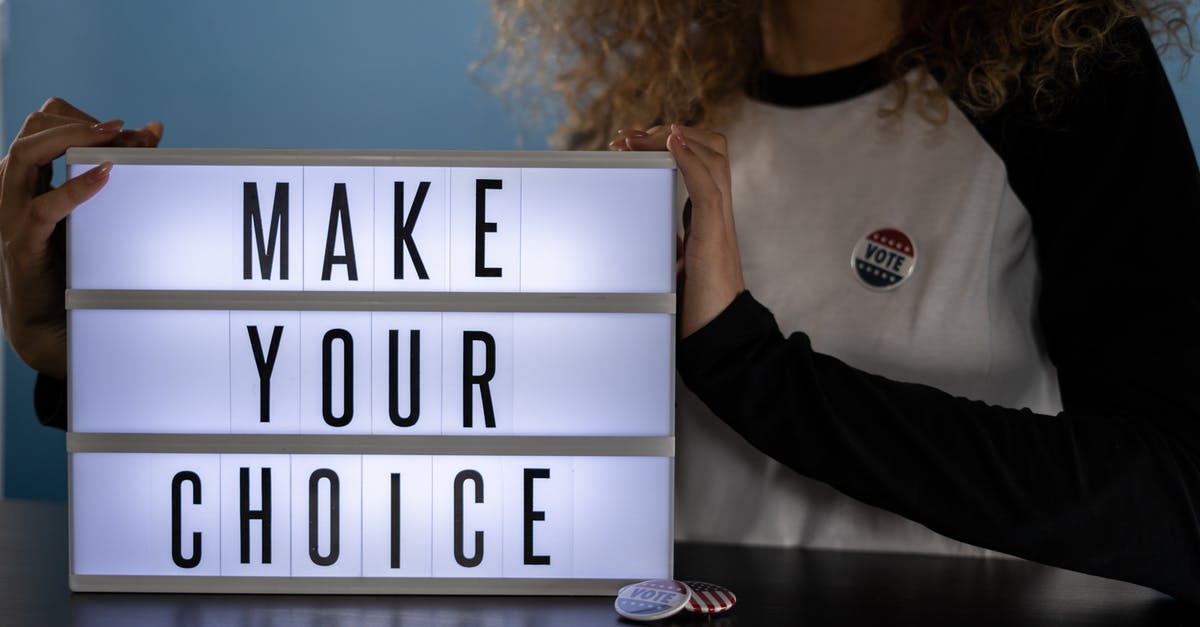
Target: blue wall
(1185,77)
(270,73)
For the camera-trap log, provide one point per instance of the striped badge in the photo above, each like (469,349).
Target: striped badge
(884,259)
(652,600)
(709,598)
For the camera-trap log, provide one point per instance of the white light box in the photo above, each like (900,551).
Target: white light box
(371,372)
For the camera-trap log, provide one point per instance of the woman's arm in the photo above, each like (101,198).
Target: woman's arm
(1103,494)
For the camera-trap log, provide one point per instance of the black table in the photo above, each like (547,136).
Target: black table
(774,587)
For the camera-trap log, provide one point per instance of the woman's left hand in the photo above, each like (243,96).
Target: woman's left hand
(712,265)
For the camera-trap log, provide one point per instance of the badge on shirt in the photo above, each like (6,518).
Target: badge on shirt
(884,259)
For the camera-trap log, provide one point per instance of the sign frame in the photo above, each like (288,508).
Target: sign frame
(442,301)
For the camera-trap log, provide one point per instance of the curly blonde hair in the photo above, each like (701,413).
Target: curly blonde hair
(637,62)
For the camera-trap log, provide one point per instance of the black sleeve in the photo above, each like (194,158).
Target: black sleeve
(50,401)
(1113,191)
(1111,486)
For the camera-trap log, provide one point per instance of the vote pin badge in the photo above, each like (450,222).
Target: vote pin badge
(652,600)
(884,259)
(708,598)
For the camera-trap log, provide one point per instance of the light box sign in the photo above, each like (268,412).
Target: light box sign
(371,372)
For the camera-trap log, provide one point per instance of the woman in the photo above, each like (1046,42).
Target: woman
(974,210)
(1022,170)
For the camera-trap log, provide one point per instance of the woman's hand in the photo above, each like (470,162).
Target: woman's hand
(712,266)
(32,273)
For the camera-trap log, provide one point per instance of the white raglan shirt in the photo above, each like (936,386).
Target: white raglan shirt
(809,183)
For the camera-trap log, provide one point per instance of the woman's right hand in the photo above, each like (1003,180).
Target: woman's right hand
(31,267)
(712,267)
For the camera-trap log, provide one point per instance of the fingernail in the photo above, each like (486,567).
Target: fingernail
(636,134)
(99,173)
(678,137)
(109,126)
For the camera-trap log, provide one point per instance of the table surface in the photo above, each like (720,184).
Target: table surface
(774,587)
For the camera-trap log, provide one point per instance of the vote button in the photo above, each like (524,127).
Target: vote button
(652,600)
(884,259)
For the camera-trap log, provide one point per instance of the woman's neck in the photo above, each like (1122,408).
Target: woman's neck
(812,36)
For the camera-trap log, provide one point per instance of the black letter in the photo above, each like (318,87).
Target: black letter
(414,378)
(395,520)
(470,378)
(482,226)
(252,220)
(404,229)
(265,366)
(339,211)
(177,520)
(334,519)
(531,515)
(263,514)
(347,377)
(459,480)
